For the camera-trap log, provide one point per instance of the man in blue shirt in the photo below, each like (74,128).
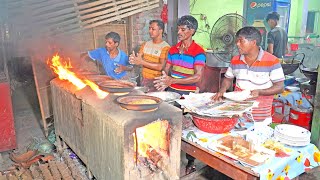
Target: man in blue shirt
(114,61)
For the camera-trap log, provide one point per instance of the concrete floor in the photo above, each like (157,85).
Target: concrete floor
(27,119)
(28,125)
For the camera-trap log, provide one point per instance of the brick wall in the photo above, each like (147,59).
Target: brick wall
(140,26)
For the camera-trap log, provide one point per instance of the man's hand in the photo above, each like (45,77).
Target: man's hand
(120,68)
(162,82)
(218,96)
(135,59)
(255,93)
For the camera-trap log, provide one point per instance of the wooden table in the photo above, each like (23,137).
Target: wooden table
(218,161)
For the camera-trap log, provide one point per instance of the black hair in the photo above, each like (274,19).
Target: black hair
(250,33)
(188,21)
(273,15)
(114,36)
(159,23)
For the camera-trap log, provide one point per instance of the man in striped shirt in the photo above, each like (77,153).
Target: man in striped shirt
(255,70)
(185,60)
(152,55)
(184,66)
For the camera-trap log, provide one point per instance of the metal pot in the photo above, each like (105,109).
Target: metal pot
(311,73)
(290,64)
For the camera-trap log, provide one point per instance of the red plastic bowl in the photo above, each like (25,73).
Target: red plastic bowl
(216,125)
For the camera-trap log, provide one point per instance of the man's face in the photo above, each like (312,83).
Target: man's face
(244,45)
(154,30)
(110,44)
(184,32)
(271,23)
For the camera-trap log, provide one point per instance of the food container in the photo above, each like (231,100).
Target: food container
(116,86)
(98,78)
(130,102)
(216,125)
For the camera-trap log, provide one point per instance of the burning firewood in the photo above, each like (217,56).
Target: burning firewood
(154,156)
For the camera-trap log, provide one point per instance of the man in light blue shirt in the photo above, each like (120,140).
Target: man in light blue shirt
(114,61)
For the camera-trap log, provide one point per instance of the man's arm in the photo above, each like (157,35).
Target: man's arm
(165,80)
(277,88)
(150,65)
(270,41)
(226,83)
(270,48)
(192,79)
(139,60)
(167,68)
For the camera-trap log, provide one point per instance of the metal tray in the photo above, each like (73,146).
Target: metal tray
(98,78)
(126,102)
(116,86)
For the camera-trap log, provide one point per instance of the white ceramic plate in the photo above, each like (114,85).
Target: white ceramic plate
(293,131)
(281,136)
(293,143)
(292,88)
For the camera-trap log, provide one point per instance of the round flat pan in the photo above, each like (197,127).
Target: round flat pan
(98,78)
(129,102)
(116,86)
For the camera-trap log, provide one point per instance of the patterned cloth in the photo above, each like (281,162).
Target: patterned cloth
(183,64)
(260,75)
(110,64)
(288,165)
(293,99)
(153,53)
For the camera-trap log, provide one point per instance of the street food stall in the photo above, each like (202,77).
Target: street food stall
(246,149)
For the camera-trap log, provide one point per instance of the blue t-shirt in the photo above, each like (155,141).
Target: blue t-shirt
(110,64)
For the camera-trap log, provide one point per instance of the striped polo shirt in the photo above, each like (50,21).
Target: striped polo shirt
(260,75)
(153,53)
(183,64)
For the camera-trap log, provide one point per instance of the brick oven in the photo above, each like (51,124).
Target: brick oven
(115,143)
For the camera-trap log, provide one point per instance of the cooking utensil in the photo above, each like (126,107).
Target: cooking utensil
(116,86)
(82,72)
(129,102)
(311,73)
(166,96)
(98,78)
(289,64)
(215,125)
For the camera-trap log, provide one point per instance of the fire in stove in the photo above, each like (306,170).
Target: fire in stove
(62,69)
(151,144)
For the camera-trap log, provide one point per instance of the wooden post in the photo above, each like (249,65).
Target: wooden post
(315,129)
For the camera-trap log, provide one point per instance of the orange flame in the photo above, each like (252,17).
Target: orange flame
(152,136)
(64,73)
(101,94)
(61,69)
